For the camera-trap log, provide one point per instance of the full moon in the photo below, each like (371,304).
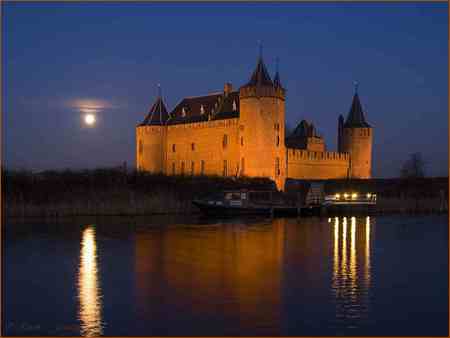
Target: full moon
(89,119)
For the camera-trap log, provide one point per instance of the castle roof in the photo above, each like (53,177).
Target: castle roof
(298,138)
(215,106)
(157,115)
(260,76)
(277,81)
(355,117)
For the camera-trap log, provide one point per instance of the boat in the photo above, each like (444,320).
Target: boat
(346,202)
(242,202)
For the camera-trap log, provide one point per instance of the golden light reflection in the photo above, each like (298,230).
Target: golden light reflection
(344,249)
(351,276)
(336,253)
(89,293)
(353,263)
(367,252)
(243,266)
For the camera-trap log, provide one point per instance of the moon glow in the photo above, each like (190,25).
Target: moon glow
(89,119)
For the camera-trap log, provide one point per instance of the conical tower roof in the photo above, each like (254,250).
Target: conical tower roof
(158,114)
(355,117)
(277,81)
(260,76)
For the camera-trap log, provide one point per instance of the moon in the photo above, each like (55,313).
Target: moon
(89,119)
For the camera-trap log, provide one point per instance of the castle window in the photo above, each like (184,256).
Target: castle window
(277,166)
(173,148)
(278,140)
(141,147)
(182,168)
(183,112)
(242,140)
(225,141)
(234,106)
(242,166)
(225,168)
(202,167)
(202,110)
(192,167)
(173,168)
(193,146)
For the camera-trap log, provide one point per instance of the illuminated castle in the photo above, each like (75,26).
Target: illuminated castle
(242,133)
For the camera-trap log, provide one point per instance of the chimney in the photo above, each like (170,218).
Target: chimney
(228,88)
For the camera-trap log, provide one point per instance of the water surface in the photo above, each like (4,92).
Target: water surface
(266,277)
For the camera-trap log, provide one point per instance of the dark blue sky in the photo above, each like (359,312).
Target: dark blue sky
(59,57)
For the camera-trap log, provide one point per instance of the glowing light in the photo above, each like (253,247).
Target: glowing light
(338,196)
(88,287)
(89,119)
(354,195)
(345,195)
(368,195)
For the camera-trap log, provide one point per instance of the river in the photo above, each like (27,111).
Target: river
(177,276)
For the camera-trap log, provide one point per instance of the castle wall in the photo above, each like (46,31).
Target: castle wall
(315,144)
(203,141)
(358,143)
(304,164)
(150,142)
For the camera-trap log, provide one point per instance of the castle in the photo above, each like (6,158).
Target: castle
(242,133)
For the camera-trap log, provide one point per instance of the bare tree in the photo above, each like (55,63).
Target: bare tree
(414,167)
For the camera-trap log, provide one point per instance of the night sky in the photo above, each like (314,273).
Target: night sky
(61,59)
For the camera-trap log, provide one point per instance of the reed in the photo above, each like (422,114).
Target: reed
(110,191)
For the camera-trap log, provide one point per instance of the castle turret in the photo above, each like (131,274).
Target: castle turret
(340,133)
(262,125)
(151,138)
(357,140)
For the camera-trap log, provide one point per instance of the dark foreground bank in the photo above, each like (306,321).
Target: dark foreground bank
(115,192)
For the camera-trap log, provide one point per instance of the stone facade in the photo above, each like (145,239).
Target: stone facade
(242,133)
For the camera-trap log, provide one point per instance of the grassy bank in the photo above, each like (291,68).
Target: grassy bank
(109,192)
(394,195)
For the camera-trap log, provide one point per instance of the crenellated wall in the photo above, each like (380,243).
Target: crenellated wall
(192,143)
(305,164)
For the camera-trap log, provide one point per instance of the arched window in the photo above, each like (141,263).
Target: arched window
(225,168)
(141,147)
(202,167)
(278,140)
(277,166)
(225,141)
(173,148)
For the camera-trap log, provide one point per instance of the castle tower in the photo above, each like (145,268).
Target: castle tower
(262,126)
(151,138)
(340,133)
(357,140)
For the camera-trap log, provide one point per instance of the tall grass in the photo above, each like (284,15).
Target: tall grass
(110,191)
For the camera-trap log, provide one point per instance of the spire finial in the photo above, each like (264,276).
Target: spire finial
(159,89)
(260,48)
(356,84)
